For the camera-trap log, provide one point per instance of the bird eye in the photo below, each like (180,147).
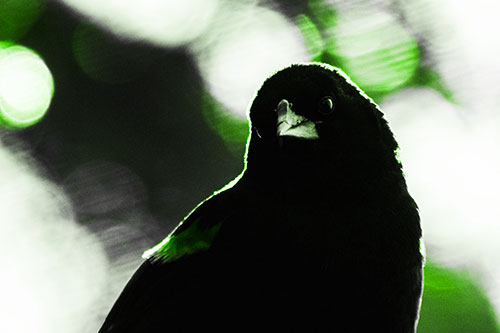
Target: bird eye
(326,105)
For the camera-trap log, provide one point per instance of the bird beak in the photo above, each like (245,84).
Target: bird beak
(292,124)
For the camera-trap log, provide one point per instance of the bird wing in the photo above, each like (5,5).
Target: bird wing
(192,235)
(159,286)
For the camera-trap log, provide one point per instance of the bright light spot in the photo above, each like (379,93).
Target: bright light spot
(53,270)
(452,172)
(374,49)
(250,44)
(162,22)
(461,43)
(13,315)
(26,86)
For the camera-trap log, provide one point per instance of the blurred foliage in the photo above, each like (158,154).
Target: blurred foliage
(453,302)
(105,58)
(17,17)
(162,125)
(312,37)
(234,130)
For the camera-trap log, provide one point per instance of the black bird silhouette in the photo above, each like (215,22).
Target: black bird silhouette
(317,234)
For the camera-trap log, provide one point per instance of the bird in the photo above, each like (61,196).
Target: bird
(318,233)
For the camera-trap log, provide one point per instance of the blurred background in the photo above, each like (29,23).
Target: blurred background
(118,117)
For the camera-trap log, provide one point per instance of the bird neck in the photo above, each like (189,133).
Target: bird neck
(295,179)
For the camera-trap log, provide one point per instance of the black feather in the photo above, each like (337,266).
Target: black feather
(314,235)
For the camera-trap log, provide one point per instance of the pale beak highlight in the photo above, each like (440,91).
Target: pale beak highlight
(292,124)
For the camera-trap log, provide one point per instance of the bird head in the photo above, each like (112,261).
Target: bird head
(311,119)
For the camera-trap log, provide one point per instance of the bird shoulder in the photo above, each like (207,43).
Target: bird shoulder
(197,231)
